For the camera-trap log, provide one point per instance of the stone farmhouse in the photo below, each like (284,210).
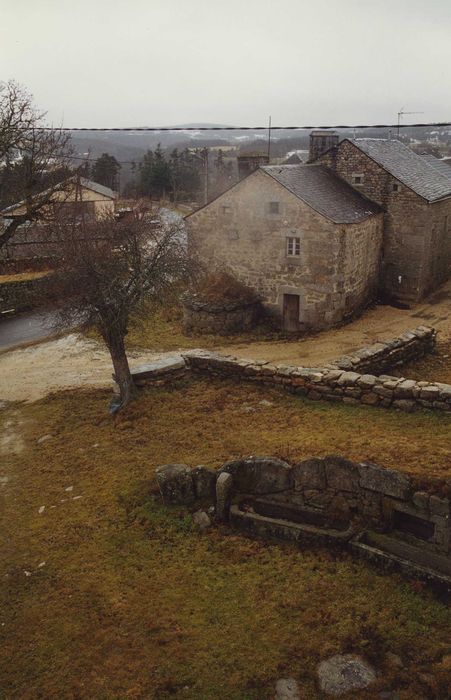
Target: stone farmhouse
(319,242)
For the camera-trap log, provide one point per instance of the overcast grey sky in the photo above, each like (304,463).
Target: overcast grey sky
(155,62)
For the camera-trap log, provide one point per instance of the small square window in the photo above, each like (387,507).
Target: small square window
(274,208)
(395,187)
(293,245)
(357,179)
(226,209)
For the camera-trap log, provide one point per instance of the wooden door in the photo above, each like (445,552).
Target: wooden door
(291,312)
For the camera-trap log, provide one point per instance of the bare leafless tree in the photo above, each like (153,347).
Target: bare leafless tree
(33,155)
(107,269)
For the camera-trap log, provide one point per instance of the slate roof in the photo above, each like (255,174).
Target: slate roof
(324,192)
(442,166)
(407,167)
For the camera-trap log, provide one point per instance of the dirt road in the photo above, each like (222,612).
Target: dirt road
(380,323)
(29,373)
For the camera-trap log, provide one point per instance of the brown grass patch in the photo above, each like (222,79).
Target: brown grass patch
(133,603)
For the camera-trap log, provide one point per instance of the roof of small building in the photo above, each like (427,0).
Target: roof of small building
(84,182)
(406,166)
(95,187)
(443,166)
(324,192)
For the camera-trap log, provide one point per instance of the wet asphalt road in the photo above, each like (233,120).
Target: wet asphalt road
(25,327)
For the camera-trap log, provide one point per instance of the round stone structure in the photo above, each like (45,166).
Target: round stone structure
(219,317)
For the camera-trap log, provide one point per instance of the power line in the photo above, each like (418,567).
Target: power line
(239,128)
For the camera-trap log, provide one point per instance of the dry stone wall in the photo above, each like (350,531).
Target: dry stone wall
(333,383)
(388,354)
(354,379)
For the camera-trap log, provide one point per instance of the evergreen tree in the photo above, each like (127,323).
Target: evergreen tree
(105,171)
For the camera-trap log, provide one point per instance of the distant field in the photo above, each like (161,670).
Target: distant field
(106,594)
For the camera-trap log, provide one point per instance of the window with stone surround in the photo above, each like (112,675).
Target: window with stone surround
(293,246)
(357,178)
(226,209)
(274,208)
(395,187)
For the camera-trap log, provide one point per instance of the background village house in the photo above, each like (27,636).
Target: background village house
(76,197)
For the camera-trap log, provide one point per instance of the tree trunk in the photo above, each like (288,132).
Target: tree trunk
(115,343)
(10,230)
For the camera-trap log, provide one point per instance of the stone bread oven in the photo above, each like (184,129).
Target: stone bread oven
(374,512)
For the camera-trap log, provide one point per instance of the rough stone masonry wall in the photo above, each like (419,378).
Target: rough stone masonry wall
(332,383)
(335,274)
(417,235)
(208,317)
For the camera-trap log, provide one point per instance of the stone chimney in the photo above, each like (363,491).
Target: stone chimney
(248,162)
(320,142)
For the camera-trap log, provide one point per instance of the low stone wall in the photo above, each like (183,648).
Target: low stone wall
(218,318)
(385,355)
(166,370)
(375,512)
(330,383)
(327,383)
(20,295)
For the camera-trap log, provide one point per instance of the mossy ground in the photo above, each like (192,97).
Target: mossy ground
(132,602)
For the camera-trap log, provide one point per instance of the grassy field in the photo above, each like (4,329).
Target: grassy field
(107,595)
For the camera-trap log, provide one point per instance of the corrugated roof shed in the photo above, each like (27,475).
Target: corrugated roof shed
(324,192)
(407,167)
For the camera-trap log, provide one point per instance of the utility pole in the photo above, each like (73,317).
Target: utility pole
(205,155)
(269,139)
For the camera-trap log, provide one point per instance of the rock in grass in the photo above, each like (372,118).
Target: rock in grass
(224,484)
(201,519)
(287,689)
(176,484)
(344,673)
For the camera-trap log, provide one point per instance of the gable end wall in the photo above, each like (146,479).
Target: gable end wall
(336,273)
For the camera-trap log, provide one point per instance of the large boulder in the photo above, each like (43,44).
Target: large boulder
(176,484)
(344,673)
(309,474)
(259,475)
(341,474)
(386,481)
(204,480)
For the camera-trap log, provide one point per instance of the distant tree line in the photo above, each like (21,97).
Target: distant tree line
(180,175)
